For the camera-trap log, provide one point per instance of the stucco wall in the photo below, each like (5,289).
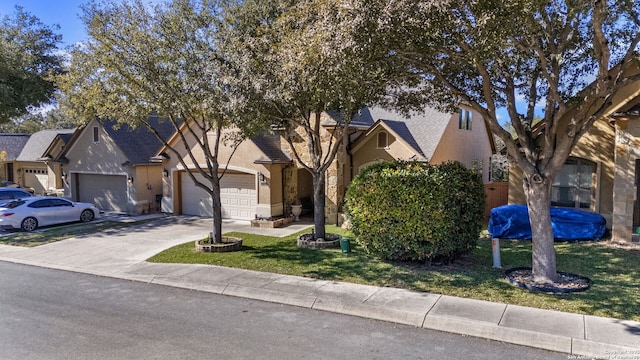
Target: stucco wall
(242,161)
(465,145)
(368,153)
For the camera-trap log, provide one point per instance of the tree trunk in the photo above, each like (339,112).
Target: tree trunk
(318,204)
(538,195)
(216,233)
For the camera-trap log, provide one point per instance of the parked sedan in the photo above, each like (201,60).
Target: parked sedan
(30,213)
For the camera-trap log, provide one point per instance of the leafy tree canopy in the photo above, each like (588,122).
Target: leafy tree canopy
(28,61)
(562,60)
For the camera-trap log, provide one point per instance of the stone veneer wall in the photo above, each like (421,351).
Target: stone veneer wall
(627,150)
(334,190)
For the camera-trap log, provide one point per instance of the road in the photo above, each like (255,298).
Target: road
(51,314)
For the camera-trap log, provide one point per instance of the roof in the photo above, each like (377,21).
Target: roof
(13,144)
(39,142)
(139,144)
(421,130)
(363,119)
(269,144)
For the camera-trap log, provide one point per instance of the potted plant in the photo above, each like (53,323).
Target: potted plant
(296,209)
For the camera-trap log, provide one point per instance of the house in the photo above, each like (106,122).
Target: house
(110,165)
(376,134)
(263,181)
(25,163)
(429,136)
(252,185)
(33,170)
(10,147)
(602,173)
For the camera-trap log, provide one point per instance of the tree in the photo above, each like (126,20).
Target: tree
(491,53)
(167,60)
(310,57)
(28,62)
(30,123)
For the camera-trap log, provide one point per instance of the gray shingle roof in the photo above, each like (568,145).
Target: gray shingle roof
(13,144)
(139,144)
(422,130)
(269,144)
(39,142)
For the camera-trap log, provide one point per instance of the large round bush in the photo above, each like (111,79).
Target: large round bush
(416,211)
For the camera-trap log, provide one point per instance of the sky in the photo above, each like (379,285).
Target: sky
(64,13)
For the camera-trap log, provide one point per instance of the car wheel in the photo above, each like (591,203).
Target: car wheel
(86,216)
(29,224)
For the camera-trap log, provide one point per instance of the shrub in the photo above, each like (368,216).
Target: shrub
(416,211)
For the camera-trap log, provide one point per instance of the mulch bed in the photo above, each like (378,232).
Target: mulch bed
(565,283)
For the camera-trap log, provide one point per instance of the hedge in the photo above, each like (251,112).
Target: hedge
(416,211)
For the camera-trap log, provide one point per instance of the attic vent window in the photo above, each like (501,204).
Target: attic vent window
(382,140)
(464,120)
(96,134)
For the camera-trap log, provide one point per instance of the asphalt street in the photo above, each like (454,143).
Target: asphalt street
(53,314)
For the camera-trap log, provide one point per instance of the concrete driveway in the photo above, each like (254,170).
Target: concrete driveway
(120,248)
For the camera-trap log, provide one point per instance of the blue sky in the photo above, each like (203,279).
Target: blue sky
(64,13)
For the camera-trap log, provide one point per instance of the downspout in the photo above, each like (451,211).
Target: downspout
(350,156)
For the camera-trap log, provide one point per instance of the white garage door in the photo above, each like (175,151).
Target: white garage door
(107,192)
(237,194)
(38,179)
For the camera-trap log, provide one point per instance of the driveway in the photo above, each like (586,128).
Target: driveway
(117,249)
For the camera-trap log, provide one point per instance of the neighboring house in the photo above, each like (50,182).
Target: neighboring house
(430,136)
(263,181)
(111,166)
(603,172)
(376,134)
(32,168)
(10,147)
(252,184)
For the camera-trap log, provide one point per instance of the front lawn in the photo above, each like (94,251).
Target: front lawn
(615,271)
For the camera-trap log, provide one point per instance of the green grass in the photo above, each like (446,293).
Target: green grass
(615,272)
(61,232)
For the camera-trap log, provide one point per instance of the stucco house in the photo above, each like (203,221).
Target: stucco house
(111,165)
(26,159)
(263,180)
(603,172)
(11,146)
(252,184)
(34,168)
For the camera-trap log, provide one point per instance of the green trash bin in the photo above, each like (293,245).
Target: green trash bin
(345,245)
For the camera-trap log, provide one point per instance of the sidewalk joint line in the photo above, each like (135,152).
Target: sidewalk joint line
(369,297)
(502,316)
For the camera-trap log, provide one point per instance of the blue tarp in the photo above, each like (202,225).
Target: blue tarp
(512,222)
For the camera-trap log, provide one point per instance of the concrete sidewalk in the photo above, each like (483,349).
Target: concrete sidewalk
(122,254)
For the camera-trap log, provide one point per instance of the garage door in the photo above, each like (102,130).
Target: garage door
(107,192)
(38,179)
(237,194)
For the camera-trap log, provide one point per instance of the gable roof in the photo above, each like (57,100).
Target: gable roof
(39,142)
(421,131)
(269,144)
(139,144)
(13,144)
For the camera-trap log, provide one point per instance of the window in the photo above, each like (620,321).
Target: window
(574,185)
(60,202)
(382,140)
(464,119)
(40,204)
(96,134)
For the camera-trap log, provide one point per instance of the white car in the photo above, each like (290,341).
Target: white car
(32,212)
